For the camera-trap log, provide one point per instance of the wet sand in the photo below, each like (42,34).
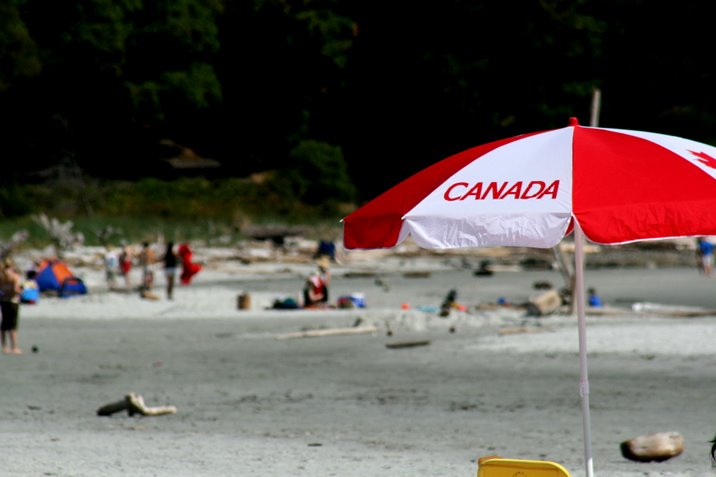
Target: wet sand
(251,404)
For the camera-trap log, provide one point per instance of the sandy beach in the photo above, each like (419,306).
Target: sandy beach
(249,403)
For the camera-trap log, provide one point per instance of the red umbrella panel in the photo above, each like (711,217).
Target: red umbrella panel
(620,185)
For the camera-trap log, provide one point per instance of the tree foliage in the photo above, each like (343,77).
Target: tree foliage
(18,53)
(375,86)
(318,174)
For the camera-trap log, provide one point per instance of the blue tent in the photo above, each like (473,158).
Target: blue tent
(55,276)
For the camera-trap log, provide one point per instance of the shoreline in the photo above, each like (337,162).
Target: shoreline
(215,294)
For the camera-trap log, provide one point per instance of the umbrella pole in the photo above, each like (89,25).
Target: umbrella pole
(583,375)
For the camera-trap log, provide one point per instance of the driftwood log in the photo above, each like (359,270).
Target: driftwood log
(653,447)
(328,332)
(407,344)
(545,303)
(514,330)
(134,404)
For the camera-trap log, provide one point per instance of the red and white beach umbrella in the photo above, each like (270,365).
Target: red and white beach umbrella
(610,185)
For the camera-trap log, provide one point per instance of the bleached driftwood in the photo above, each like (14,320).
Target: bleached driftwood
(653,447)
(6,248)
(106,234)
(134,404)
(60,232)
(328,332)
(545,303)
(513,330)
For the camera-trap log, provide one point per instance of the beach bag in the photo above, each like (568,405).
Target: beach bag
(355,300)
(285,304)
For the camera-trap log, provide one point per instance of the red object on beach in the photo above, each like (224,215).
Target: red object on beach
(189,268)
(621,186)
(610,185)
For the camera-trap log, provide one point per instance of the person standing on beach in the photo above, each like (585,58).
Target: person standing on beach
(146,261)
(170,268)
(705,251)
(111,265)
(125,264)
(10,290)
(188,267)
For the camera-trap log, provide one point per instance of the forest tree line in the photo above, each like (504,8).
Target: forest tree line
(356,94)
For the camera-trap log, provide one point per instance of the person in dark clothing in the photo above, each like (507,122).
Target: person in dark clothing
(170,268)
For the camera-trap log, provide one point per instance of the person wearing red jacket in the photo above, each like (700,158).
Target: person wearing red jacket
(189,268)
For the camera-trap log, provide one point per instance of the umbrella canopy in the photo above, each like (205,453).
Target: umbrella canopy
(619,185)
(610,185)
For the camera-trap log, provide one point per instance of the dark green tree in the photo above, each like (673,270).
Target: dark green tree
(282,67)
(318,173)
(18,53)
(114,73)
(170,70)
(395,85)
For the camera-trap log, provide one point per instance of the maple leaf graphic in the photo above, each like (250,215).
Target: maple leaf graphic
(705,159)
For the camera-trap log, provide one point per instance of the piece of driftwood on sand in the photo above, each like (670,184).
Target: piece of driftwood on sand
(134,404)
(545,303)
(407,344)
(514,330)
(355,330)
(664,311)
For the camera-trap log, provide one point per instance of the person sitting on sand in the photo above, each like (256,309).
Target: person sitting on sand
(593,299)
(30,293)
(315,292)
